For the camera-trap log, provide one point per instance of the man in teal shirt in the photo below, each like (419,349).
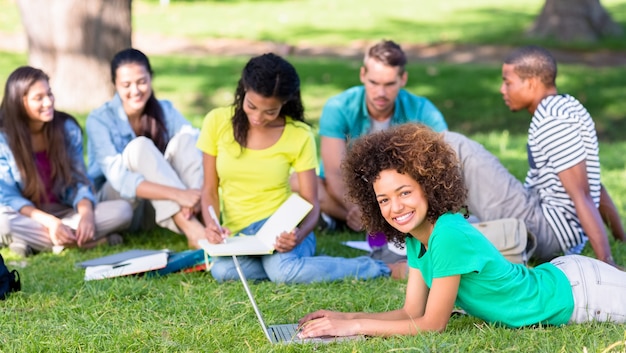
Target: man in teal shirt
(377,104)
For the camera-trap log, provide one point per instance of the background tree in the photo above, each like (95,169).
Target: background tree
(574,20)
(73,41)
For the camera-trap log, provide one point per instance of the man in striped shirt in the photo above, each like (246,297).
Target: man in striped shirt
(564,173)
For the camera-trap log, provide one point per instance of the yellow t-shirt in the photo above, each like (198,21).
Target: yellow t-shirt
(254,183)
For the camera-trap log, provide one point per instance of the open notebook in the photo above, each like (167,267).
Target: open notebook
(285,219)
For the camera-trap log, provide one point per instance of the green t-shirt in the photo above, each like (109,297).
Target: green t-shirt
(254,183)
(491,288)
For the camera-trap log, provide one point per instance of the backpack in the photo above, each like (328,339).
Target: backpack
(9,280)
(510,237)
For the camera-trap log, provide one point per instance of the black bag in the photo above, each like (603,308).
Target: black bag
(9,280)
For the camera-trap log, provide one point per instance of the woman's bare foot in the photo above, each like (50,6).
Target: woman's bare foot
(191,228)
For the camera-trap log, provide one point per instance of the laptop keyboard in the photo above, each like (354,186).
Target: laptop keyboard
(285,332)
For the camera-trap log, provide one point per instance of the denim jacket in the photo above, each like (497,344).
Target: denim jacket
(109,131)
(11,183)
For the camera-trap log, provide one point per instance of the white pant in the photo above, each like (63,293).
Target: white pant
(109,217)
(599,289)
(179,167)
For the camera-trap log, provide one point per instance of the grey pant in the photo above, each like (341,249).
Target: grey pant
(109,217)
(493,193)
(179,167)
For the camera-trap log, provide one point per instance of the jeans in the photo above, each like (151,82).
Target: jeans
(599,289)
(298,265)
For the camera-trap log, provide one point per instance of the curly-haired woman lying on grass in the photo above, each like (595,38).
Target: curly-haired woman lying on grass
(407,182)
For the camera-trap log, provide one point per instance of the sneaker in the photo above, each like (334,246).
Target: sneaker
(385,255)
(21,249)
(114,239)
(326,222)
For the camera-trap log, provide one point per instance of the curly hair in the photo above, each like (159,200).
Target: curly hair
(270,76)
(411,149)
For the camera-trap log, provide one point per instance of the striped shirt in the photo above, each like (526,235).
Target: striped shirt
(561,135)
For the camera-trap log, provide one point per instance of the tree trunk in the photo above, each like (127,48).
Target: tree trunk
(73,41)
(574,20)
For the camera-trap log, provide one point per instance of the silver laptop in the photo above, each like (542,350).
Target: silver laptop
(287,333)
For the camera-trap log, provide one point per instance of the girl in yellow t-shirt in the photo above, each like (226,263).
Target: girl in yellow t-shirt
(249,151)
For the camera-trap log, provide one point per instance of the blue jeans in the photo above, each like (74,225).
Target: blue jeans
(298,265)
(599,289)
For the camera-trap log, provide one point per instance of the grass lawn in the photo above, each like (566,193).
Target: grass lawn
(58,312)
(345,21)
(299,22)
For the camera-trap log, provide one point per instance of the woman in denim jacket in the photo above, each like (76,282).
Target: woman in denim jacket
(46,200)
(143,150)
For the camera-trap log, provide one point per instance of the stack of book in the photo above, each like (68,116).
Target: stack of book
(148,262)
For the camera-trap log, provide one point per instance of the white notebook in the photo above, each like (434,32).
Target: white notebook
(126,263)
(285,219)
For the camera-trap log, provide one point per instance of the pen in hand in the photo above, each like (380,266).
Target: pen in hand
(217,222)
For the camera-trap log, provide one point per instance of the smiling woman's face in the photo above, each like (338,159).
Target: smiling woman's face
(133,84)
(39,102)
(402,201)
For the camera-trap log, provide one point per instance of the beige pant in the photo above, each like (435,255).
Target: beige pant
(109,217)
(179,167)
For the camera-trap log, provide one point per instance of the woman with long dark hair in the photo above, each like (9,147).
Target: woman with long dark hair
(142,149)
(46,199)
(249,150)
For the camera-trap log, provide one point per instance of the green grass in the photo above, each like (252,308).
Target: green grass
(335,22)
(342,22)
(58,312)
(300,22)
(9,16)
(8,63)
